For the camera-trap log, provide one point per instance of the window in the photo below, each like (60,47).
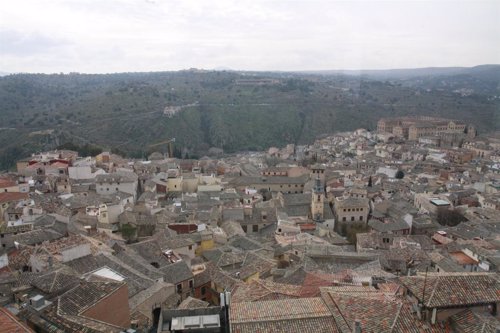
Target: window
(179,287)
(352,218)
(116,189)
(190,247)
(191,284)
(203,290)
(361,218)
(244,227)
(344,219)
(255,228)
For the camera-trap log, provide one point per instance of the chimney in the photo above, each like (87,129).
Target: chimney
(357,326)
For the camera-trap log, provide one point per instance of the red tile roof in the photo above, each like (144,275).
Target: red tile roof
(451,289)
(12,196)
(463,259)
(9,323)
(4,182)
(287,315)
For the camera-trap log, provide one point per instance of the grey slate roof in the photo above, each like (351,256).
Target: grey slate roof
(177,272)
(245,243)
(86,294)
(37,236)
(136,281)
(118,177)
(388,227)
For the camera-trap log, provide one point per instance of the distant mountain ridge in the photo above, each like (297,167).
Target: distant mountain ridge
(406,73)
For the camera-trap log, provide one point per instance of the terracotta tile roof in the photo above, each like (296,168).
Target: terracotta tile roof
(441,239)
(289,315)
(453,289)
(469,321)
(316,325)
(7,182)
(312,283)
(20,258)
(389,288)
(9,323)
(12,196)
(463,259)
(375,311)
(264,290)
(375,314)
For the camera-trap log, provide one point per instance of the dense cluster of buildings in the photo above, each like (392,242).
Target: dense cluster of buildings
(358,232)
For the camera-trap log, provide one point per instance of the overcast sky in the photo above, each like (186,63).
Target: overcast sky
(102,36)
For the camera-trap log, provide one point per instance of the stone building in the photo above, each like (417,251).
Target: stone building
(413,128)
(350,212)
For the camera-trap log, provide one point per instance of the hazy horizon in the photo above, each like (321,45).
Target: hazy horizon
(115,36)
(4,73)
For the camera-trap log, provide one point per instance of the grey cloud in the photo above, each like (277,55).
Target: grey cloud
(26,44)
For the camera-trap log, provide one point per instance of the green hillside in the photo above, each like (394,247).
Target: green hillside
(125,111)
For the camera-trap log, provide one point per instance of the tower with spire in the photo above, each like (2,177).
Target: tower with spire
(318,201)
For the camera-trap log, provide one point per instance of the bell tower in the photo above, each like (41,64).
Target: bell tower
(318,201)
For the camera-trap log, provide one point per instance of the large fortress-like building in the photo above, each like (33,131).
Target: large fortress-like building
(413,128)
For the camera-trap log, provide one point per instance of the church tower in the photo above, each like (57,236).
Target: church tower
(318,201)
